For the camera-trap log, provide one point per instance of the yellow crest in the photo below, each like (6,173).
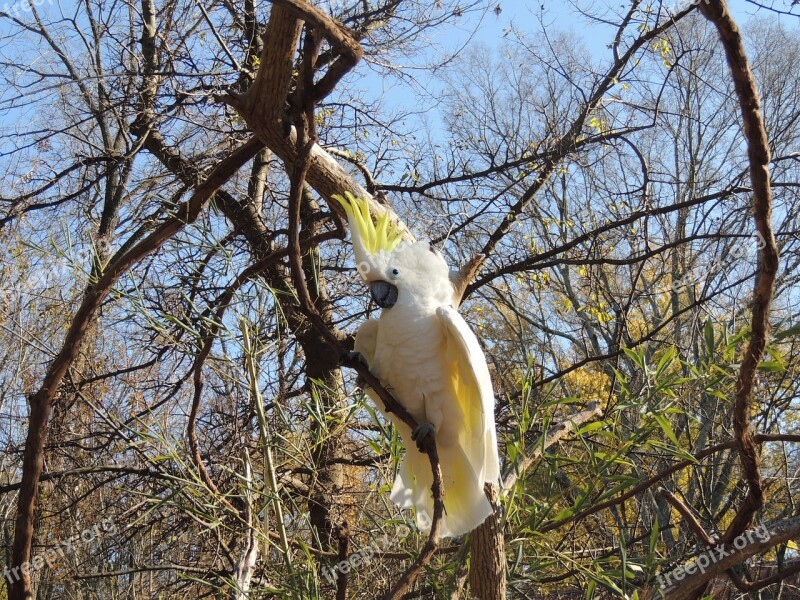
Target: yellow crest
(381,235)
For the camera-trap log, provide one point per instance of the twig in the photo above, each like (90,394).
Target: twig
(270,476)
(688,516)
(566,143)
(245,565)
(218,37)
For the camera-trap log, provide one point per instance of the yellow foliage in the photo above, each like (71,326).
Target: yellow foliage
(663,47)
(587,382)
(599,124)
(321,118)
(600,314)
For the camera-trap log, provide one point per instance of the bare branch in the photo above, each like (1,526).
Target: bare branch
(758,153)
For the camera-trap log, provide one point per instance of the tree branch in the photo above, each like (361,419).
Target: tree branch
(554,435)
(696,574)
(41,402)
(716,11)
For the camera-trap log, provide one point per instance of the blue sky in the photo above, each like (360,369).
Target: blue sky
(526,17)
(488,30)
(562,15)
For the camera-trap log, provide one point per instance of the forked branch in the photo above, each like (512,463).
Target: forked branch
(305,141)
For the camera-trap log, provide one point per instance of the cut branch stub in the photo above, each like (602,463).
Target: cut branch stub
(464,276)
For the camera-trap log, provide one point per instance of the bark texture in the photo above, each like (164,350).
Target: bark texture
(487,569)
(758,154)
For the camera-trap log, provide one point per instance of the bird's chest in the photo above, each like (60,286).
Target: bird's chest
(409,356)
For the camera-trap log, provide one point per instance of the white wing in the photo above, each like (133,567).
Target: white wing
(366,340)
(473,387)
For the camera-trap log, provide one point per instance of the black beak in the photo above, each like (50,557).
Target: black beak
(384,293)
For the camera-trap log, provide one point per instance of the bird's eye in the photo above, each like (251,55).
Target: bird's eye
(395,272)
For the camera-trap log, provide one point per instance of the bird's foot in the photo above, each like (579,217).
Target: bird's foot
(424,435)
(353,359)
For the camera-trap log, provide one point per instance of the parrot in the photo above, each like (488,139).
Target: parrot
(423,353)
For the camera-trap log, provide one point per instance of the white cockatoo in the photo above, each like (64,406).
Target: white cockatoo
(424,353)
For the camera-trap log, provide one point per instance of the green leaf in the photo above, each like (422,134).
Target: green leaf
(666,360)
(666,428)
(790,332)
(738,338)
(567,512)
(517,558)
(654,537)
(613,491)
(591,427)
(624,556)
(708,334)
(773,366)
(636,357)
(671,449)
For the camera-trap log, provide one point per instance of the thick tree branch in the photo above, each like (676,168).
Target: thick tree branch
(715,563)
(265,105)
(758,154)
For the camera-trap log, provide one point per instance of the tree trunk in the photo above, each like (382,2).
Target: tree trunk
(487,571)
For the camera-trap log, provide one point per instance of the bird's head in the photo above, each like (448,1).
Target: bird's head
(394,270)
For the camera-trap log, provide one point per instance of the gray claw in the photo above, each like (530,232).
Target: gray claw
(422,435)
(354,356)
